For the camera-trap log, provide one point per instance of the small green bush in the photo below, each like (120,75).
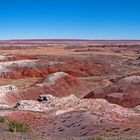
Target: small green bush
(96,138)
(15,126)
(2,119)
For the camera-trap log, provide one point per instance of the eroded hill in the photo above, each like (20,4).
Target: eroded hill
(71,88)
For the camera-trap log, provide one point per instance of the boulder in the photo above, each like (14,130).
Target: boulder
(42,98)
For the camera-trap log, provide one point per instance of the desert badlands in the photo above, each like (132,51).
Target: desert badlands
(70,89)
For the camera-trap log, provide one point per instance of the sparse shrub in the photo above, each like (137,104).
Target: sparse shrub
(2,119)
(96,138)
(15,126)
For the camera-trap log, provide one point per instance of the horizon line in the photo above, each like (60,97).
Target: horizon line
(69,39)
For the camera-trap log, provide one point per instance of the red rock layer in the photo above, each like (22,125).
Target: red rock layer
(60,87)
(125,92)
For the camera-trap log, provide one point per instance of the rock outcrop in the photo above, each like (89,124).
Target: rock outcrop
(124,92)
(71,116)
(59,84)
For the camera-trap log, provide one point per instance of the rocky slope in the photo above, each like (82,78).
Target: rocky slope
(71,116)
(124,92)
(58,84)
(21,66)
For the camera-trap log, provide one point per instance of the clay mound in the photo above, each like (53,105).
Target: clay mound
(102,92)
(17,67)
(124,92)
(62,84)
(91,66)
(129,88)
(58,66)
(58,84)
(71,116)
(82,68)
(34,68)
(127,100)
(9,69)
(10,57)
(130,80)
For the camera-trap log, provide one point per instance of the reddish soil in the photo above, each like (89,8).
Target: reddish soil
(95,83)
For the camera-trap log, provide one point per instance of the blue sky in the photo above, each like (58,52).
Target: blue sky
(71,19)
